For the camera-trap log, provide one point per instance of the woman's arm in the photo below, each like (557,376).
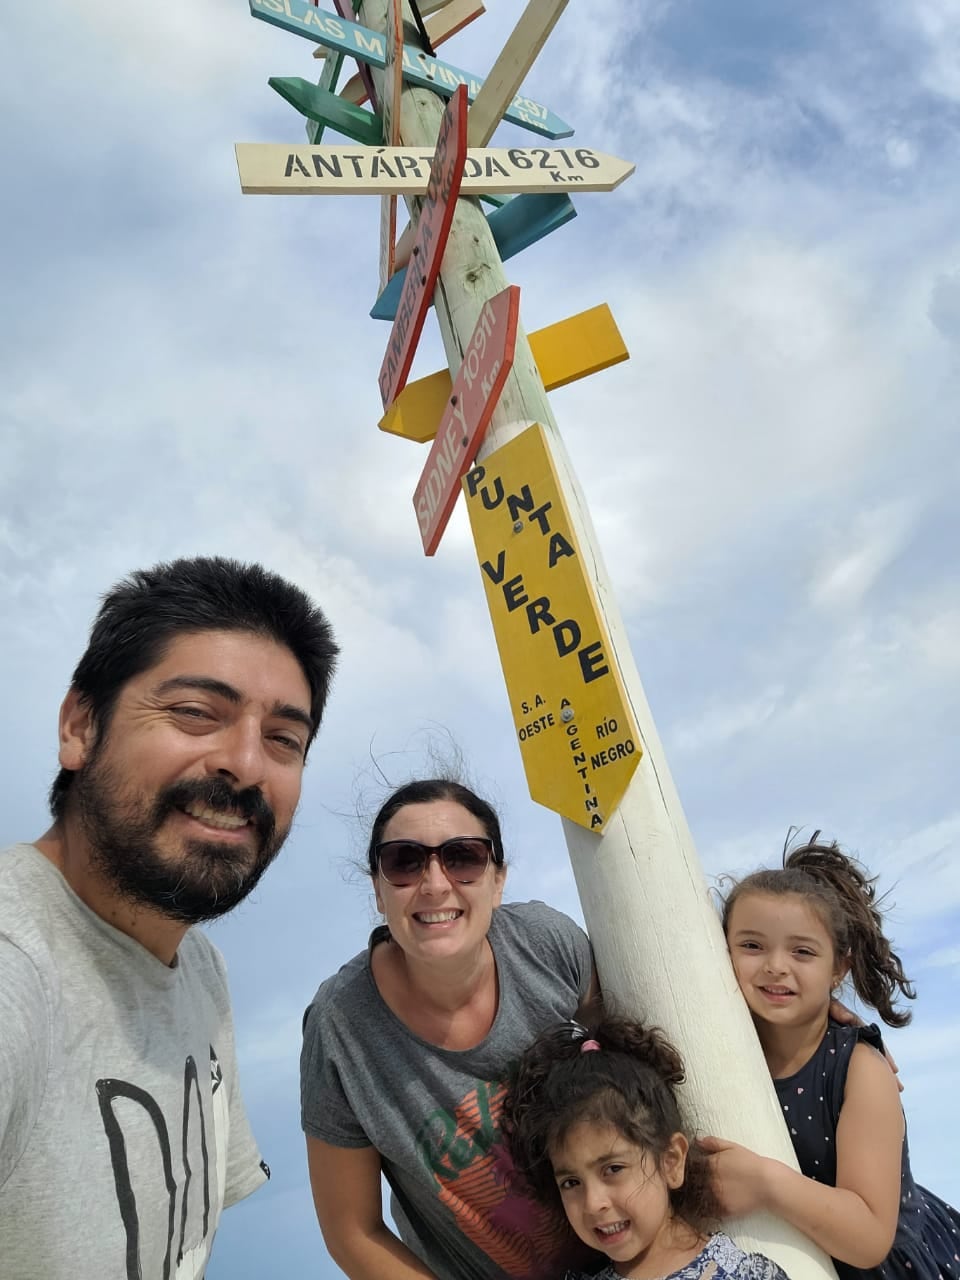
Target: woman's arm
(856,1220)
(591,1005)
(345,1182)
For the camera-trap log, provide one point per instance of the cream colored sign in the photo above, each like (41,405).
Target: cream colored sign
(271,168)
(578,737)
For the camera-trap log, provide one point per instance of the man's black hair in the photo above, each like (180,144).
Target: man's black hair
(143,613)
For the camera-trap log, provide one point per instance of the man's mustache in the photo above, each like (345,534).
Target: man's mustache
(217,794)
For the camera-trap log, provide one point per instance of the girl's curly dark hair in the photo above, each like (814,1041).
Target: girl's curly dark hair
(842,893)
(629,1084)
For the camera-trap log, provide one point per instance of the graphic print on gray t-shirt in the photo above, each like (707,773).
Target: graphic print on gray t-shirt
(122,1130)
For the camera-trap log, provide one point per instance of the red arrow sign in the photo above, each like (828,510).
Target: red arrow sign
(436,215)
(474,395)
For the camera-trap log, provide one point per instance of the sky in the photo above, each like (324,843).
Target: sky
(772,475)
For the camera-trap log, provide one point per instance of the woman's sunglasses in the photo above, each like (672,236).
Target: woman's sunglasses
(464,859)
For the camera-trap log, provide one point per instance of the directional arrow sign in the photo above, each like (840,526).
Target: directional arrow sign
(329,109)
(433,227)
(270,168)
(474,395)
(506,75)
(300,17)
(577,733)
(570,349)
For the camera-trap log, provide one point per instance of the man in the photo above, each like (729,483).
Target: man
(182,743)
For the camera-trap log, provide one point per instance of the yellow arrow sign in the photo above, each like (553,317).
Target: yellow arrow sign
(565,351)
(578,737)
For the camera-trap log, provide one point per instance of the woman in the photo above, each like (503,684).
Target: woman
(407,1049)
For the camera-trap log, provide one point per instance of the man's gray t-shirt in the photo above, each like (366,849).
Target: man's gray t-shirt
(122,1130)
(433,1113)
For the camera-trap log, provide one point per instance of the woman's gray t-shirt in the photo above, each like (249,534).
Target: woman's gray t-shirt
(433,1113)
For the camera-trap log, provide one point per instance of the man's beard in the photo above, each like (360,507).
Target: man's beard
(208,879)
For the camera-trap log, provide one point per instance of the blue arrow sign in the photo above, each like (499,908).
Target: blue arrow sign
(300,17)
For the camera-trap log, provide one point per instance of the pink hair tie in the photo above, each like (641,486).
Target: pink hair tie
(589,1046)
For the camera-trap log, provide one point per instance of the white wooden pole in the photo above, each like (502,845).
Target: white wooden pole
(659,947)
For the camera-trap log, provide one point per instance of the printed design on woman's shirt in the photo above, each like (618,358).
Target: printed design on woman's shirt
(477,1183)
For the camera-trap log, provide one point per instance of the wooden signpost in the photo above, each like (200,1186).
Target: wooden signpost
(476,389)
(344,36)
(272,168)
(570,349)
(433,227)
(507,74)
(577,734)
(578,706)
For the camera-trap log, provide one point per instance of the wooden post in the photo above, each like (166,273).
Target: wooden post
(659,947)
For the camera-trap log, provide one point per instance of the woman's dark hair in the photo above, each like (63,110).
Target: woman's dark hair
(425,792)
(842,893)
(629,1084)
(146,611)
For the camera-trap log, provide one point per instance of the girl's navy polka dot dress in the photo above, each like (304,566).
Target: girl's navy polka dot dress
(927,1243)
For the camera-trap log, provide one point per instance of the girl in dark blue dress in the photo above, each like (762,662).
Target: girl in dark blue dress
(794,936)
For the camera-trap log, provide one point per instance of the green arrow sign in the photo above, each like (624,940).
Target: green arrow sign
(329,109)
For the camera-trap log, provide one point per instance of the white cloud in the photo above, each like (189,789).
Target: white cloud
(848,573)
(721,723)
(901,153)
(945,958)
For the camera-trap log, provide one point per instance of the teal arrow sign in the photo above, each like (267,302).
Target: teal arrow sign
(334,32)
(329,109)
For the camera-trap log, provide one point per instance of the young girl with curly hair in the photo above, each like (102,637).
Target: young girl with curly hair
(594,1127)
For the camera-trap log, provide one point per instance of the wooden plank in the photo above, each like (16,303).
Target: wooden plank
(578,346)
(328,83)
(570,349)
(487,361)
(508,72)
(419,68)
(392,93)
(347,10)
(270,168)
(328,109)
(452,18)
(433,227)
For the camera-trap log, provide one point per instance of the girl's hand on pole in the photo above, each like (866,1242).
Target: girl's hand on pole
(738,1176)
